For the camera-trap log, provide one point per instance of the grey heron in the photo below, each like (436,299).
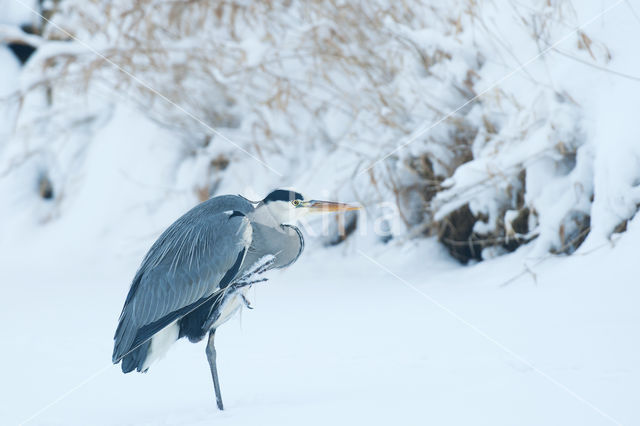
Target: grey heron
(195,276)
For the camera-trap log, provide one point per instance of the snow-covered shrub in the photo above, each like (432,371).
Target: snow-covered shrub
(530,176)
(440,107)
(278,80)
(519,165)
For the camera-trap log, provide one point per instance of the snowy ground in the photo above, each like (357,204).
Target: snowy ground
(340,340)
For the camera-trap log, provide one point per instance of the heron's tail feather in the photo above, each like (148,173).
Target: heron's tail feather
(127,329)
(136,358)
(124,337)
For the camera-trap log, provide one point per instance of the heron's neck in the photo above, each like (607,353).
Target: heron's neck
(270,215)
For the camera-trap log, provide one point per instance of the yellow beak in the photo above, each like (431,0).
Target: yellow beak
(318,206)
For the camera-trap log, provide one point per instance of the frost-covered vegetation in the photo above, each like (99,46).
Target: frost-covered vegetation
(466,116)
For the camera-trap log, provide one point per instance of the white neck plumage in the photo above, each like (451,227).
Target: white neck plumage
(277,213)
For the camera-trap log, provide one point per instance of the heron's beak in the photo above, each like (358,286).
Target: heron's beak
(317,206)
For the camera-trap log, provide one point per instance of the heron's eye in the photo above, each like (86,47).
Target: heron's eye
(295,203)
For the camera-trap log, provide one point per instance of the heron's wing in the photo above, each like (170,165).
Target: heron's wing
(192,260)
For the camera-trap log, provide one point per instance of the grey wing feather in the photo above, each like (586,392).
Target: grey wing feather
(183,268)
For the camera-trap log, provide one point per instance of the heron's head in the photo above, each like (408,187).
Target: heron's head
(289,206)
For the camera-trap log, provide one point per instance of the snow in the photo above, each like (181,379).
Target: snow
(586,113)
(8,82)
(365,332)
(17,12)
(345,343)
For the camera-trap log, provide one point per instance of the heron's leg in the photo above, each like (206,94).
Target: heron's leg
(211,357)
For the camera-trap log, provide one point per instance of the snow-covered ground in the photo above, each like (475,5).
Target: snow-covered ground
(349,335)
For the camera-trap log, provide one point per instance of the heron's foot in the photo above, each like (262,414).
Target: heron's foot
(264,264)
(247,279)
(246,302)
(247,282)
(260,267)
